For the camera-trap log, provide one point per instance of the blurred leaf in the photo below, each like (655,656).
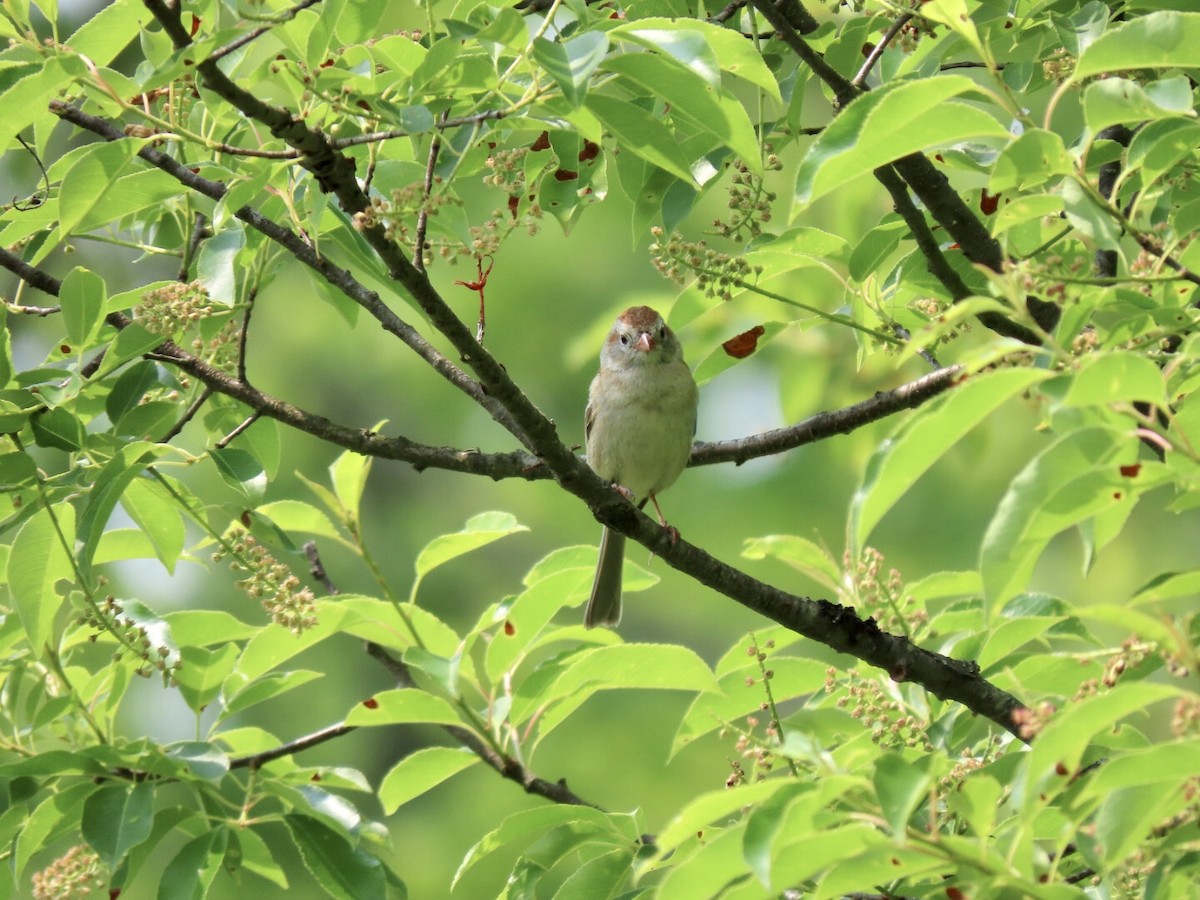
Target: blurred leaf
(801,554)
(931,432)
(203,672)
(902,782)
(59,429)
(1060,745)
(267,687)
(1115,100)
(94,172)
(1074,478)
(742,694)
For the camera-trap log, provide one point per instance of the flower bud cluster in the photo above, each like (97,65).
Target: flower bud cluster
(77,873)
(286,600)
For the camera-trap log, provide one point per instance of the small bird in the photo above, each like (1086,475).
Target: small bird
(640,419)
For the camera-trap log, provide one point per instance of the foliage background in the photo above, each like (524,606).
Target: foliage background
(551,297)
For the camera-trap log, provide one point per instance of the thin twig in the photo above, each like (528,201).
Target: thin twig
(240,429)
(877,51)
(435,146)
(255,760)
(286,16)
(188,415)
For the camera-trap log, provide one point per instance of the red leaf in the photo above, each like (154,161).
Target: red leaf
(589,152)
(542,142)
(371,703)
(565,175)
(1131,471)
(988,202)
(742,345)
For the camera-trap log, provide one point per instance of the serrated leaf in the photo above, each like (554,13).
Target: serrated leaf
(342,870)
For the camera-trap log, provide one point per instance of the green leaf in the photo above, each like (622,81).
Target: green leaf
(480,530)
(159,516)
(102,37)
(692,99)
(343,871)
(1032,159)
(650,666)
(274,645)
(421,771)
(931,432)
(732,52)
(116,818)
(403,705)
(1176,762)
(1059,747)
(1160,146)
(1156,41)
(885,124)
(348,474)
(742,693)
(1107,378)
(190,873)
(59,429)
(82,297)
(203,672)
(46,818)
(295,515)
(133,340)
(714,806)
(540,820)
(1115,100)
(39,560)
(763,826)
(113,480)
(572,62)
(637,131)
(241,698)
(1075,478)
(216,264)
(86,183)
(129,389)
(241,471)
(902,784)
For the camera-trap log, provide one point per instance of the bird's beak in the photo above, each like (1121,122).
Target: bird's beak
(644,342)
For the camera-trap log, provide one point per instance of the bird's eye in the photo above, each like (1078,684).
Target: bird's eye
(624,340)
(662,333)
